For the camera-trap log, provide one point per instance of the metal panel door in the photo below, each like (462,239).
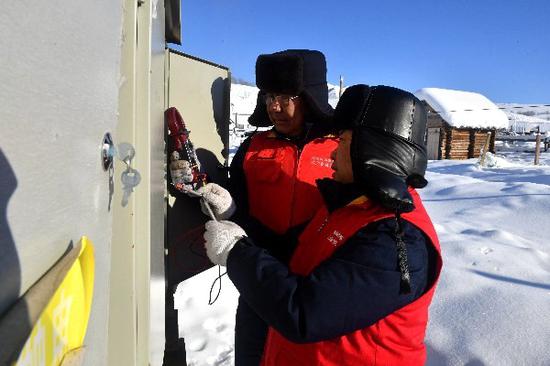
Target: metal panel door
(200,91)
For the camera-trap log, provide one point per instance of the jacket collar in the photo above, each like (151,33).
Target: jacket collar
(336,194)
(311,132)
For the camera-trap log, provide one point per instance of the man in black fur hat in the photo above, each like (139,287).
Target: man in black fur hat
(359,284)
(273,174)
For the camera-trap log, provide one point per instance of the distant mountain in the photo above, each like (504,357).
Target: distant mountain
(333,94)
(243,99)
(538,112)
(526,117)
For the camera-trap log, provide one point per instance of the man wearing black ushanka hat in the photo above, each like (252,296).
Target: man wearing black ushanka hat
(273,173)
(299,73)
(360,281)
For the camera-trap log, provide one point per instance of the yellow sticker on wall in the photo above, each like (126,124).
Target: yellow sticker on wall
(62,325)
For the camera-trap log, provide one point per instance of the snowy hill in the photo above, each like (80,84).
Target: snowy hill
(533,110)
(243,99)
(525,117)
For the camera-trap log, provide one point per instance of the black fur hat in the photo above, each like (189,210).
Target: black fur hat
(388,151)
(293,72)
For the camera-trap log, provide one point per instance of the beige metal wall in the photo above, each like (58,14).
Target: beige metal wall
(136,305)
(60,76)
(68,76)
(157,191)
(200,91)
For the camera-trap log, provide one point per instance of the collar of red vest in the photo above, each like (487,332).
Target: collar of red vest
(311,132)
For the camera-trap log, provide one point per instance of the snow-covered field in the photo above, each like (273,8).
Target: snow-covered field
(492,305)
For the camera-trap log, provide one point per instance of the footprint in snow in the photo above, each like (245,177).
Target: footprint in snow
(210,324)
(196,345)
(213,324)
(221,327)
(225,357)
(440,229)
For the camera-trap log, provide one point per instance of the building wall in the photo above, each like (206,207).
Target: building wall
(60,82)
(455,143)
(458,143)
(465,143)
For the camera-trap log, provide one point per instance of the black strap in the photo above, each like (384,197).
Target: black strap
(219,278)
(405,286)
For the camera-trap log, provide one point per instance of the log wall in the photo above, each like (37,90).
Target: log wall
(462,143)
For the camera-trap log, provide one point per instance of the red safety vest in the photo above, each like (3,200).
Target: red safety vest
(397,339)
(281,180)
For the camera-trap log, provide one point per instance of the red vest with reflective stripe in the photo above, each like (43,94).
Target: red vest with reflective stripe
(281,180)
(397,339)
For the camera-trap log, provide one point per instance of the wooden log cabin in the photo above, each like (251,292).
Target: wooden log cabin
(459,123)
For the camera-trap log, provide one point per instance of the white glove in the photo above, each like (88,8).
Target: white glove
(219,200)
(220,237)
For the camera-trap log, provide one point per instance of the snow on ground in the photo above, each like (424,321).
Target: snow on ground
(207,329)
(491,306)
(492,303)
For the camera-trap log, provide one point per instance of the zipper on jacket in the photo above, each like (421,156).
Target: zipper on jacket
(323,224)
(297,153)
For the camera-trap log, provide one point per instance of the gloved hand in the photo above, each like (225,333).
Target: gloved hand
(220,237)
(219,200)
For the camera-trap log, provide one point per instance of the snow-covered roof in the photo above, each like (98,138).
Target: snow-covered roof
(464,109)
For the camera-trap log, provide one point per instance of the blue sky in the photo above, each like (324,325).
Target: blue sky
(498,48)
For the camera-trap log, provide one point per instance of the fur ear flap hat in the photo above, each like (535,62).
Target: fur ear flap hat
(388,151)
(293,72)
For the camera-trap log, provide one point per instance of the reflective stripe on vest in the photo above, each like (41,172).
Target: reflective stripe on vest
(281,181)
(397,339)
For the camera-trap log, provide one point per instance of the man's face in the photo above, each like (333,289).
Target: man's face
(342,167)
(286,113)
